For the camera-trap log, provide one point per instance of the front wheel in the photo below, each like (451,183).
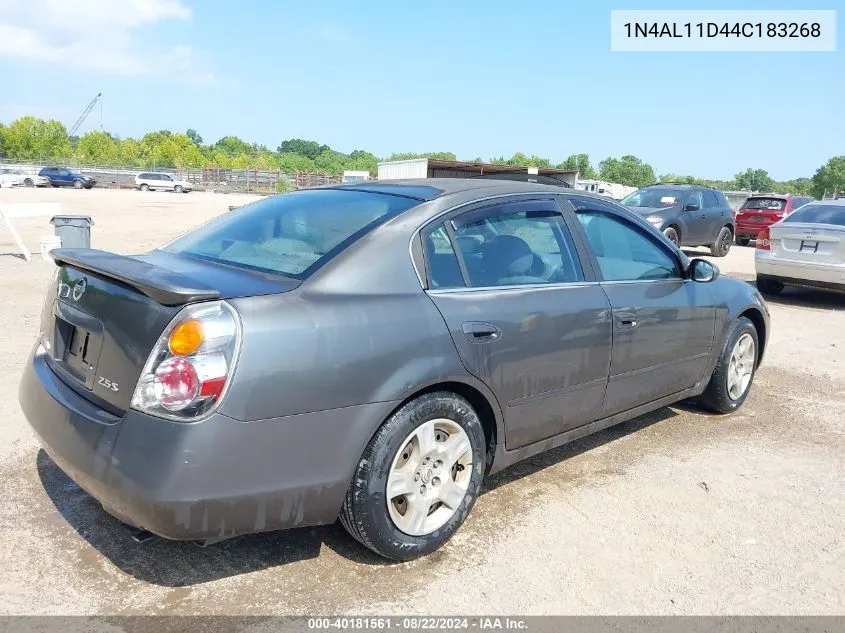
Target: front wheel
(418,478)
(29,182)
(743,241)
(178,189)
(78,184)
(672,233)
(144,187)
(722,246)
(734,372)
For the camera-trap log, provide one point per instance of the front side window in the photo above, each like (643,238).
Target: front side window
(517,243)
(624,251)
(696,197)
(291,234)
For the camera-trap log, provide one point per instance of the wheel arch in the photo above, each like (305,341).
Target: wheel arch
(756,317)
(479,397)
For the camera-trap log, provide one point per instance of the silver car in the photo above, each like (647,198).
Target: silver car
(806,248)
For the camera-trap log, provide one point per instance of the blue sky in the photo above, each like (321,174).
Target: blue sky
(476,78)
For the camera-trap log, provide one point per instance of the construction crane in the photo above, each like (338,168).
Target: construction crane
(84,114)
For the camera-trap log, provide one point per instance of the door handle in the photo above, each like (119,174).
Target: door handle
(480,331)
(626,319)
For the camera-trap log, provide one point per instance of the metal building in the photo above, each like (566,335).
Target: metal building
(430,168)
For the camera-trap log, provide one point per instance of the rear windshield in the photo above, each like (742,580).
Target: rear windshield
(773,204)
(291,234)
(819,214)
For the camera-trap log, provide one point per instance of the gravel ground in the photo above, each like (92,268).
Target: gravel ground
(676,512)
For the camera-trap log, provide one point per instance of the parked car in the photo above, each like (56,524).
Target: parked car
(155,180)
(64,177)
(762,210)
(371,351)
(806,248)
(17,178)
(687,215)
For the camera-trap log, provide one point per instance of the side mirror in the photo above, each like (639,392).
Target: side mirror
(703,270)
(692,206)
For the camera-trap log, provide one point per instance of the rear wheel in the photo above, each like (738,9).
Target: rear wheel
(722,245)
(734,372)
(418,478)
(743,241)
(28,182)
(672,233)
(769,287)
(145,187)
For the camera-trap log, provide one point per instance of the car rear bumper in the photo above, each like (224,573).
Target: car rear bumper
(750,229)
(797,273)
(206,480)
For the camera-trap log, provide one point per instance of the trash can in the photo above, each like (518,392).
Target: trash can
(74,230)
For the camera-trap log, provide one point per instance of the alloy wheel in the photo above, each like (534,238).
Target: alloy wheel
(741,367)
(429,477)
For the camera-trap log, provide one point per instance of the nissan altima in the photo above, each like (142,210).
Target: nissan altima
(371,352)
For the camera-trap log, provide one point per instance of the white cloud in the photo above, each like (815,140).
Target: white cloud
(95,35)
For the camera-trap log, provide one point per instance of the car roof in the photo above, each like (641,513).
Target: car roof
(838,202)
(781,196)
(431,188)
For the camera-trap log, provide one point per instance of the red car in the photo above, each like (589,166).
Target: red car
(761,211)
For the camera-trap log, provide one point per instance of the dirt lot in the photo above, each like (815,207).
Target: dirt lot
(676,512)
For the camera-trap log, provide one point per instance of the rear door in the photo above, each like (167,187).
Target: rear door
(526,318)
(663,324)
(717,215)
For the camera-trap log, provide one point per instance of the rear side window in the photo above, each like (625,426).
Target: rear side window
(444,271)
(710,200)
(517,243)
(819,214)
(767,204)
(291,234)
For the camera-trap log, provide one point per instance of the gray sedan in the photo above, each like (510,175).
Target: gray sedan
(371,352)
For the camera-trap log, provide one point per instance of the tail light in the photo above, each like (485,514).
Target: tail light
(190,367)
(764,240)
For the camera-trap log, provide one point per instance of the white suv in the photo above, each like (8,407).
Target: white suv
(156,180)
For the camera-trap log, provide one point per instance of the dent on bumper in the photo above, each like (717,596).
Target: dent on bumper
(207,480)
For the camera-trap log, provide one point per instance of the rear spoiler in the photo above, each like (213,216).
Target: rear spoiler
(165,286)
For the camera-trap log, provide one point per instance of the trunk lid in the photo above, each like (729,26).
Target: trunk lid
(104,313)
(798,241)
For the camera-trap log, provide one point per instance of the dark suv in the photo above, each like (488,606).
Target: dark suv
(64,177)
(688,215)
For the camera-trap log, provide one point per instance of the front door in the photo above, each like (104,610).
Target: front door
(695,221)
(524,316)
(663,324)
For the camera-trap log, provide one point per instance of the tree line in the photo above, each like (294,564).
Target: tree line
(32,139)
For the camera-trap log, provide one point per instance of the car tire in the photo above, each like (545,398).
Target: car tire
(28,182)
(395,455)
(722,246)
(78,184)
(743,241)
(769,286)
(734,372)
(178,189)
(672,234)
(144,187)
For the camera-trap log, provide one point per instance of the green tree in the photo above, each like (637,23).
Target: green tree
(798,186)
(431,155)
(97,148)
(829,178)
(359,160)
(194,136)
(754,179)
(628,170)
(580,162)
(309,149)
(290,163)
(2,140)
(31,138)
(233,146)
(330,162)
